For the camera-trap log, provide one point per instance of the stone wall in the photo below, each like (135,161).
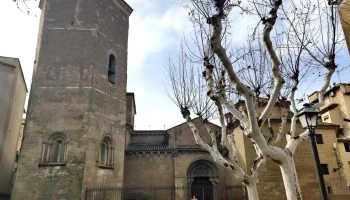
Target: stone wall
(147,139)
(149,170)
(72,96)
(182,133)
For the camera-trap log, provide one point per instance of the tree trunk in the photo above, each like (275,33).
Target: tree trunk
(290,179)
(252,190)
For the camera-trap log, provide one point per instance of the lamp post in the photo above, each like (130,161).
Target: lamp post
(308,119)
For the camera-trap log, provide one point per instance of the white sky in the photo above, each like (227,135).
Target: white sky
(156,24)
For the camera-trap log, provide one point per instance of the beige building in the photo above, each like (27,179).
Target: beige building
(270,184)
(13,92)
(336,113)
(344,12)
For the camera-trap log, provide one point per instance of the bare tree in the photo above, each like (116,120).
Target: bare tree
(271,70)
(23,6)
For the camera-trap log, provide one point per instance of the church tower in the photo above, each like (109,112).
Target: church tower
(74,135)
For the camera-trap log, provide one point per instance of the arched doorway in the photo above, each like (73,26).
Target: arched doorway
(202,180)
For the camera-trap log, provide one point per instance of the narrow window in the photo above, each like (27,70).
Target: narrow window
(319,139)
(347,146)
(329,190)
(324,169)
(111,69)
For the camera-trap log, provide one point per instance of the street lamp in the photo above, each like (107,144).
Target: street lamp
(308,119)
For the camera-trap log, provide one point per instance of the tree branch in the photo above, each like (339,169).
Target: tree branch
(211,133)
(231,141)
(293,143)
(326,83)
(216,47)
(278,79)
(216,155)
(222,123)
(281,128)
(258,163)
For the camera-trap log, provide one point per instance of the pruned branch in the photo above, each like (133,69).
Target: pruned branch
(278,79)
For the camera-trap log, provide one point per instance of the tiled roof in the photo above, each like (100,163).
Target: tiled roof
(144,147)
(343,139)
(188,147)
(328,107)
(133,148)
(326,125)
(149,132)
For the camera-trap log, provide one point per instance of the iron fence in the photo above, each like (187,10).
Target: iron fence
(5,197)
(163,193)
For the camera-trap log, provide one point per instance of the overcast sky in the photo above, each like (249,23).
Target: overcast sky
(158,25)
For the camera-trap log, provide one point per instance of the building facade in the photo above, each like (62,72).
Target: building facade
(13,92)
(344,13)
(77,104)
(79,128)
(336,112)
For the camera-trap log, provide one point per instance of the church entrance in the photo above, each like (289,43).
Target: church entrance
(202,188)
(202,176)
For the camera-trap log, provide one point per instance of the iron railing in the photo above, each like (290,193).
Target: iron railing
(162,193)
(5,197)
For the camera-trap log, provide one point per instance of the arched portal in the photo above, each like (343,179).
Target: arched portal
(202,178)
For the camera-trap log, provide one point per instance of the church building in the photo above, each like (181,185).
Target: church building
(79,138)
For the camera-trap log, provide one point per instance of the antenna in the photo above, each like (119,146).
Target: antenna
(164,127)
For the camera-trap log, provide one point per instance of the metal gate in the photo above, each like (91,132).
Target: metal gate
(202,193)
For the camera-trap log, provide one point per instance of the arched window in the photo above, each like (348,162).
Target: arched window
(111,69)
(54,150)
(106,153)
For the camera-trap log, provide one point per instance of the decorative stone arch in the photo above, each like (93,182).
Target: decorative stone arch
(54,149)
(106,152)
(203,168)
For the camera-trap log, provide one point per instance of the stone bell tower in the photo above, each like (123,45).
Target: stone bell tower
(74,135)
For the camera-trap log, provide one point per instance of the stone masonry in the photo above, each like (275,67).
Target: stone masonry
(71,96)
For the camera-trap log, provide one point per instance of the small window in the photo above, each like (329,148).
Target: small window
(319,139)
(111,69)
(106,159)
(324,169)
(54,151)
(326,117)
(329,189)
(347,146)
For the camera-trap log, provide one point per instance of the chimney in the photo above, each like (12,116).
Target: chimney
(130,108)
